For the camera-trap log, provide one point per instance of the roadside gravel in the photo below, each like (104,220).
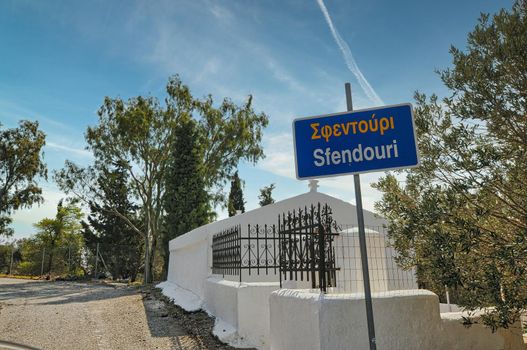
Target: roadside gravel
(74,315)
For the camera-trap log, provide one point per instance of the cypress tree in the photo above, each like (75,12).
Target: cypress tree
(236,201)
(186,203)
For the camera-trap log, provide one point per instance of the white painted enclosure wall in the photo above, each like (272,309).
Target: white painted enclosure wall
(191,253)
(256,313)
(242,309)
(404,320)
(244,306)
(385,274)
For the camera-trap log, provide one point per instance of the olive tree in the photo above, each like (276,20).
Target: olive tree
(461,217)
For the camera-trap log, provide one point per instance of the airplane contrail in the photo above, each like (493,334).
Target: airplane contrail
(348,58)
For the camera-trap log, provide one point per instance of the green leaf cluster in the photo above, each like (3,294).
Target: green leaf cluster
(120,247)
(461,217)
(266,195)
(21,164)
(61,231)
(139,135)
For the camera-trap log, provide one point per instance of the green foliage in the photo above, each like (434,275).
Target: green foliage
(20,164)
(67,257)
(139,135)
(5,256)
(236,201)
(120,247)
(31,257)
(266,195)
(61,231)
(9,256)
(230,132)
(461,217)
(187,203)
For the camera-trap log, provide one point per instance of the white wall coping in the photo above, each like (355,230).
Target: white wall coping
(234,284)
(458,315)
(272,210)
(316,294)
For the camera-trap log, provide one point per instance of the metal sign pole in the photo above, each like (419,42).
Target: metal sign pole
(362,243)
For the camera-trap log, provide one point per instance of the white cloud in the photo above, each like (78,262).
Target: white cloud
(72,150)
(24,219)
(346,189)
(209,69)
(279,155)
(348,58)
(15,112)
(221,13)
(280,74)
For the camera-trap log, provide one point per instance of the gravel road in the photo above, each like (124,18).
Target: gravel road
(70,315)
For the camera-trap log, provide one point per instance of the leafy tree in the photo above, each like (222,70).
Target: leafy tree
(5,256)
(187,203)
(236,201)
(32,255)
(20,164)
(9,257)
(266,195)
(31,250)
(63,229)
(139,134)
(461,217)
(121,247)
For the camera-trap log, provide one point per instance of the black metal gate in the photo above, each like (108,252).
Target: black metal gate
(307,251)
(300,248)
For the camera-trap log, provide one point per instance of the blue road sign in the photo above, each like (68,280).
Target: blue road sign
(355,142)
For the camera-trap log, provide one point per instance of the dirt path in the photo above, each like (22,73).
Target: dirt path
(69,315)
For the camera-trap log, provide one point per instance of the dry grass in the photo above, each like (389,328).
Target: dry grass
(21,277)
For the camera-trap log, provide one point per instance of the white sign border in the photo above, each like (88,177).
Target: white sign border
(349,112)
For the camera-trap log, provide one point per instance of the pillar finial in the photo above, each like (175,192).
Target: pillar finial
(313,185)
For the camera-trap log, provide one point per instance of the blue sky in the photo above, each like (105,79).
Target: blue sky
(60,58)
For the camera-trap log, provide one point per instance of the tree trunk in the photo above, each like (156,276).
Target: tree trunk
(50,262)
(152,257)
(146,277)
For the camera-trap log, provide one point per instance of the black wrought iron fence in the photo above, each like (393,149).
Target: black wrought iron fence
(256,251)
(260,250)
(226,252)
(299,248)
(307,251)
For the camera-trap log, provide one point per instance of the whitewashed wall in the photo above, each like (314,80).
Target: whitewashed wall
(403,320)
(191,253)
(255,314)
(189,265)
(244,307)
(385,274)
